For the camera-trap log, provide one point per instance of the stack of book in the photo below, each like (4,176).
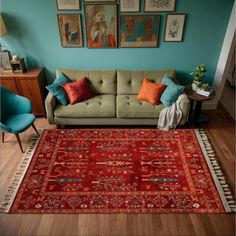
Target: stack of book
(205,92)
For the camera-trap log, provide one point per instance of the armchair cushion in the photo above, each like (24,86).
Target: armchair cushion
(19,123)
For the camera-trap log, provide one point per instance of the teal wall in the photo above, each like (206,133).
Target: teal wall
(33,34)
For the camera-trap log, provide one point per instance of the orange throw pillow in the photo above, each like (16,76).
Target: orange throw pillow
(78,90)
(151,92)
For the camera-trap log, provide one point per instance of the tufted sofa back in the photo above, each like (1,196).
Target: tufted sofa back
(100,81)
(116,82)
(129,81)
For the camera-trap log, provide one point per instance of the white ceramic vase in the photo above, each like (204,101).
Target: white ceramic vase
(196,85)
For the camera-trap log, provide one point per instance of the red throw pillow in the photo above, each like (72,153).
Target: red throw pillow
(151,92)
(78,90)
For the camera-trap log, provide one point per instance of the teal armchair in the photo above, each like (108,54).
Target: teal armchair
(16,114)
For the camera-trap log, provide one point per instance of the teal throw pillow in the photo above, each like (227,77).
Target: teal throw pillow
(167,80)
(172,91)
(57,90)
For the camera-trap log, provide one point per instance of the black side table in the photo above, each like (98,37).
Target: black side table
(198,99)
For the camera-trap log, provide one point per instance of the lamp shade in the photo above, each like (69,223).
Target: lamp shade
(3,29)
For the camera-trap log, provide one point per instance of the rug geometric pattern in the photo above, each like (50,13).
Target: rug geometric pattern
(118,170)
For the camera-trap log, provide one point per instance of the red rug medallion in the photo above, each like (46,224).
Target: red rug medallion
(119,170)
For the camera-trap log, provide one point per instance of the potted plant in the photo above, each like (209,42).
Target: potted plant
(198,75)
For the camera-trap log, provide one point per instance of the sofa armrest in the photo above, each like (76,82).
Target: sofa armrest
(185,106)
(50,103)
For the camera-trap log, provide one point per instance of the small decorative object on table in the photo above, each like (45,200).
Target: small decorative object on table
(5,58)
(198,75)
(18,64)
(205,90)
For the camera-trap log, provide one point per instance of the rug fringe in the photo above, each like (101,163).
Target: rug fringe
(218,176)
(5,205)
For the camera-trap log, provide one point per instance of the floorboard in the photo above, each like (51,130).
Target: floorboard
(221,132)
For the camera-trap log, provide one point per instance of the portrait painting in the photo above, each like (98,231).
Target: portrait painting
(174,27)
(70,30)
(139,30)
(159,5)
(101,25)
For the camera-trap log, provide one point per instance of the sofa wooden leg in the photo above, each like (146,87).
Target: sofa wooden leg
(18,139)
(3,135)
(35,129)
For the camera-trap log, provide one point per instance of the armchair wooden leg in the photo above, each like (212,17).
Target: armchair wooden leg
(35,129)
(18,139)
(3,135)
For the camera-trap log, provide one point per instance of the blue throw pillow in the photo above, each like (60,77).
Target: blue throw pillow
(172,91)
(167,80)
(57,90)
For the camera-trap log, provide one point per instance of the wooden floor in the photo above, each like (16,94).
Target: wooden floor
(221,132)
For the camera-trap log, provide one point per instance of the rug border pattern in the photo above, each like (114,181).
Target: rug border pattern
(216,172)
(208,153)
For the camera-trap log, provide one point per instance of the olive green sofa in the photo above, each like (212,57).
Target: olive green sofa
(114,101)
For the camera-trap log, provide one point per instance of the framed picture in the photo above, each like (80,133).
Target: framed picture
(68,5)
(99,1)
(174,27)
(159,5)
(5,62)
(139,30)
(129,5)
(70,30)
(101,25)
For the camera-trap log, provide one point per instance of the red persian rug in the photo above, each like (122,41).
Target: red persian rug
(119,170)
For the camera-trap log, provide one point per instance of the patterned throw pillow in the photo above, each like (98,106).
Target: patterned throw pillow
(150,92)
(78,90)
(57,91)
(172,92)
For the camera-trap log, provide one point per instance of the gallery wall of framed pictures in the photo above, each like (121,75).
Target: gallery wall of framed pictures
(118,23)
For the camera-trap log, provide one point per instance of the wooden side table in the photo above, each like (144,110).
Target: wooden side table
(198,99)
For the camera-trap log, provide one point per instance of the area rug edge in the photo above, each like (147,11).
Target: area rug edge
(18,176)
(208,152)
(216,172)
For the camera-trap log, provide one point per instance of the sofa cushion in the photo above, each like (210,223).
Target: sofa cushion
(129,107)
(151,92)
(78,90)
(100,81)
(172,91)
(99,106)
(129,81)
(56,89)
